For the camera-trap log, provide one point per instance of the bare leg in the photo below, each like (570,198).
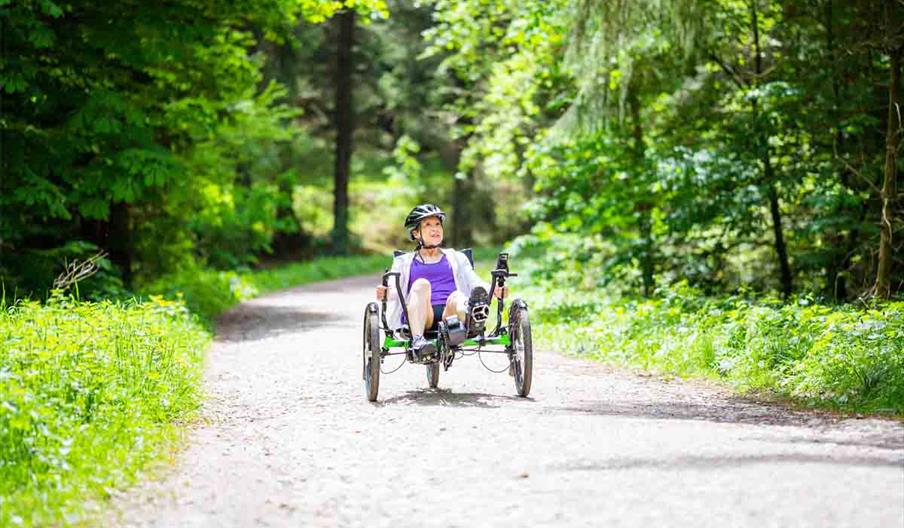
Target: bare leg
(420,313)
(457,305)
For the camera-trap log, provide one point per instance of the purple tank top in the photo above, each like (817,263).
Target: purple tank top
(438,274)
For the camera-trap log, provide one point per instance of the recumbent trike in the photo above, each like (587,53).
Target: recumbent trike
(452,338)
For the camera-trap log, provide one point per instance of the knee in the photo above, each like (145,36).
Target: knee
(421,285)
(455,298)
(457,304)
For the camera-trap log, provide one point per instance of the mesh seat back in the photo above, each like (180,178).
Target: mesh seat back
(467,251)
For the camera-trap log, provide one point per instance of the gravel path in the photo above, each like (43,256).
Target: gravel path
(288,439)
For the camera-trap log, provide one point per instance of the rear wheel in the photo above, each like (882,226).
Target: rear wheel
(522,348)
(371,353)
(433,374)
(442,340)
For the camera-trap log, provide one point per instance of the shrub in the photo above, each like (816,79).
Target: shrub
(89,393)
(205,292)
(840,357)
(209,293)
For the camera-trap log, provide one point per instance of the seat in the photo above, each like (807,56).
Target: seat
(467,251)
(433,334)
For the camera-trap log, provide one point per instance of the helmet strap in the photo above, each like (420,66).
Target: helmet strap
(421,245)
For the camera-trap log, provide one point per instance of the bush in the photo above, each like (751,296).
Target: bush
(208,293)
(839,357)
(205,292)
(89,393)
(325,268)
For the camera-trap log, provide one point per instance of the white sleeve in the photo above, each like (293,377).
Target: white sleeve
(392,294)
(473,279)
(393,306)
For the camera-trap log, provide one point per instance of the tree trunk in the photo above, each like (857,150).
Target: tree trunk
(838,259)
(643,207)
(462,192)
(344,122)
(462,232)
(781,249)
(883,287)
(118,241)
(288,239)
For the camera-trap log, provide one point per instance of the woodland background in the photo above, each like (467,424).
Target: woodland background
(731,144)
(693,187)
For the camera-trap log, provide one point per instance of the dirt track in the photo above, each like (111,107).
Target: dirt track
(288,439)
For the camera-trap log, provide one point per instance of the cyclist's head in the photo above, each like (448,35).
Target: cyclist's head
(423,213)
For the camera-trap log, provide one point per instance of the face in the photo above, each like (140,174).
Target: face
(432,231)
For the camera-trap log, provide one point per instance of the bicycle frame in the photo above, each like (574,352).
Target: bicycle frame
(498,336)
(511,337)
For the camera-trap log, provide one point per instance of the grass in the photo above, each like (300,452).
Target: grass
(89,393)
(843,358)
(92,392)
(209,293)
(325,268)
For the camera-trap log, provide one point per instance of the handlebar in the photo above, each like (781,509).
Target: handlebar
(500,274)
(398,286)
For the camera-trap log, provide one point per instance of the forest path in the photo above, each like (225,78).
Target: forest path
(288,439)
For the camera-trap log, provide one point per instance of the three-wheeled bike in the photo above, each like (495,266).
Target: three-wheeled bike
(453,339)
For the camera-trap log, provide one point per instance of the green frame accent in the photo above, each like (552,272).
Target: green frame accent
(504,339)
(389,342)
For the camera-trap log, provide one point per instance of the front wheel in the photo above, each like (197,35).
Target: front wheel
(522,352)
(371,352)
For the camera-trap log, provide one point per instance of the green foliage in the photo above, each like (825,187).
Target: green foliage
(157,138)
(36,269)
(89,394)
(407,168)
(311,205)
(843,358)
(720,143)
(380,210)
(208,292)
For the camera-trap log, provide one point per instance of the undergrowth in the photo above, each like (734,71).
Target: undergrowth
(846,358)
(209,293)
(89,392)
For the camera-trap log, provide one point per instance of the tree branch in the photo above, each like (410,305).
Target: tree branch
(78,270)
(728,70)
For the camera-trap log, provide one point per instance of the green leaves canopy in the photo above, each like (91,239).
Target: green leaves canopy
(160,112)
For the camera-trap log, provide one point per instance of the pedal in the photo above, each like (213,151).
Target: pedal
(478,311)
(412,355)
(421,350)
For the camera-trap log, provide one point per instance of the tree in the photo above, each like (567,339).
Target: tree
(892,44)
(721,142)
(344,121)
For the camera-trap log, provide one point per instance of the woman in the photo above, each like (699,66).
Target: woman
(438,282)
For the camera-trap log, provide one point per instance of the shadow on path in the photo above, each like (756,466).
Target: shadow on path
(737,410)
(719,462)
(254,321)
(446,397)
